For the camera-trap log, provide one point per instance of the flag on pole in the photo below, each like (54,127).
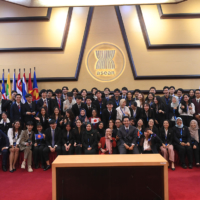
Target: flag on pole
(19,84)
(8,87)
(24,88)
(30,88)
(14,82)
(3,91)
(35,88)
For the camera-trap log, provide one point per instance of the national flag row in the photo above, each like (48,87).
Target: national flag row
(20,86)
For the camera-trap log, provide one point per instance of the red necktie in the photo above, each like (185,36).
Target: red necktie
(59,103)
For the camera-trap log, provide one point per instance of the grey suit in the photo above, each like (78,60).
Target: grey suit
(129,139)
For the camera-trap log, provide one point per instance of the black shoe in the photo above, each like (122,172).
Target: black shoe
(4,168)
(43,166)
(11,171)
(190,166)
(14,170)
(48,167)
(36,166)
(184,166)
(173,169)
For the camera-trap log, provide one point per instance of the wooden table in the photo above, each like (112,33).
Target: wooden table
(79,173)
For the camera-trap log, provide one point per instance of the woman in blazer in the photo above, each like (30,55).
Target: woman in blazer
(150,99)
(57,117)
(122,110)
(167,149)
(14,139)
(194,133)
(77,137)
(149,142)
(173,111)
(67,140)
(182,141)
(38,146)
(107,143)
(89,140)
(129,99)
(5,123)
(186,109)
(42,118)
(147,114)
(69,118)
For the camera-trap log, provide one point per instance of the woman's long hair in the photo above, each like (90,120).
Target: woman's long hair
(184,103)
(71,115)
(19,129)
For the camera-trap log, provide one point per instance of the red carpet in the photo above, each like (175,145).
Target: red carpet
(183,184)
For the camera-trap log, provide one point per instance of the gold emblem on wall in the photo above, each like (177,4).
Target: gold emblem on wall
(105,62)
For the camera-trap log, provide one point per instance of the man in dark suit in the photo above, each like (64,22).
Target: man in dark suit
(64,93)
(77,106)
(108,114)
(116,98)
(16,110)
(89,107)
(196,102)
(100,103)
(4,105)
(166,100)
(53,137)
(57,102)
(124,93)
(44,102)
(29,109)
(127,138)
(135,111)
(4,145)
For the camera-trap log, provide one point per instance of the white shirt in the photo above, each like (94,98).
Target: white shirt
(189,112)
(146,145)
(197,100)
(10,137)
(68,104)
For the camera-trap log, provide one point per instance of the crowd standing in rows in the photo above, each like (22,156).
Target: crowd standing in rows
(99,123)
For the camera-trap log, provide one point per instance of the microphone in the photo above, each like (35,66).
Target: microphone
(159,198)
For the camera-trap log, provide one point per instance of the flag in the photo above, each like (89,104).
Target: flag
(14,82)
(24,88)
(30,88)
(94,120)
(19,85)
(8,87)
(3,91)
(39,136)
(35,88)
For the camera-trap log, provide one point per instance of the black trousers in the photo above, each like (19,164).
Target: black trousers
(4,156)
(78,150)
(186,120)
(70,152)
(92,151)
(46,152)
(196,154)
(38,154)
(183,151)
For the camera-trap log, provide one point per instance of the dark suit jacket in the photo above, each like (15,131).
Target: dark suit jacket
(65,139)
(77,137)
(138,113)
(45,123)
(57,136)
(106,117)
(150,116)
(40,103)
(5,127)
(89,112)
(160,117)
(89,140)
(169,138)
(185,135)
(115,102)
(4,142)
(15,114)
(97,105)
(167,107)
(27,108)
(128,138)
(5,106)
(76,110)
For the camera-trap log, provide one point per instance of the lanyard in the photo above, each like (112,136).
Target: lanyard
(181,132)
(117,102)
(130,103)
(100,104)
(167,101)
(110,114)
(122,111)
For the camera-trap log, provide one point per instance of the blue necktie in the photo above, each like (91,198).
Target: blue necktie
(53,141)
(127,130)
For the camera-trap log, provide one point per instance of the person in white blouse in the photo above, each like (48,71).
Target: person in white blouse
(67,104)
(186,110)
(122,110)
(141,100)
(14,139)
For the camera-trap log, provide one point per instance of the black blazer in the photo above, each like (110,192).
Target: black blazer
(138,113)
(115,103)
(106,117)
(128,102)
(171,112)
(185,135)
(77,137)
(39,142)
(97,105)
(169,138)
(160,117)
(40,104)
(15,114)
(89,112)
(27,108)
(5,127)
(45,123)
(65,139)
(57,136)
(89,140)
(76,110)
(54,103)
(6,106)
(150,116)
(4,141)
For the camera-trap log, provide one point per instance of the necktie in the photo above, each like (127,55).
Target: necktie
(19,107)
(53,141)
(59,103)
(127,130)
(45,102)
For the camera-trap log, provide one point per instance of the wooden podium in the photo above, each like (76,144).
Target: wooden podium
(110,177)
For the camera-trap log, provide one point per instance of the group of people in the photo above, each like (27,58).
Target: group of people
(99,122)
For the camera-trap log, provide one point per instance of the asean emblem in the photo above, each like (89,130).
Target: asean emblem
(105,62)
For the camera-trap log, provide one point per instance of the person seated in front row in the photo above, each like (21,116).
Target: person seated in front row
(4,145)
(149,142)
(132,121)
(39,144)
(89,140)
(128,138)
(67,140)
(107,143)
(167,149)
(26,146)
(14,139)
(140,133)
(182,141)
(53,142)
